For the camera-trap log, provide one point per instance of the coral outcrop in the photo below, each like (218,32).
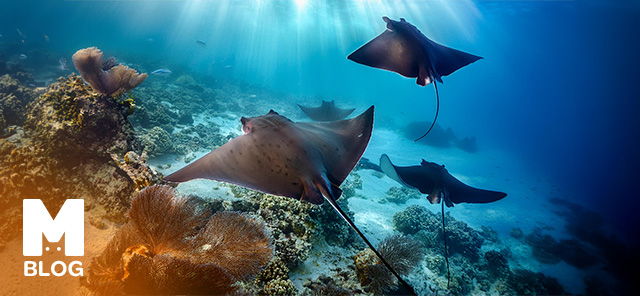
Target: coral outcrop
(400,195)
(427,227)
(173,245)
(76,145)
(14,98)
(104,76)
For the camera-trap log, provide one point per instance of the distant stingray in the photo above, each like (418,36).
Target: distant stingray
(403,49)
(326,112)
(300,160)
(433,179)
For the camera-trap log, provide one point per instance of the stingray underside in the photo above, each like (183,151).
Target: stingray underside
(390,51)
(326,112)
(280,157)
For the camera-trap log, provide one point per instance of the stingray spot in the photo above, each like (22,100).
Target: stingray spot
(360,135)
(231,151)
(278,146)
(286,174)
(294,183)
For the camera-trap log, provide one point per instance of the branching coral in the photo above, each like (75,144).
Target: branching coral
(402,253)
(172,245)
(117,79)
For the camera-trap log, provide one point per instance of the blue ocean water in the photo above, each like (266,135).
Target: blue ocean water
(558,88)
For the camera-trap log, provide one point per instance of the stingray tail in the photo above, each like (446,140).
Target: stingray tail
(435,85)
(344,216)
(446,249)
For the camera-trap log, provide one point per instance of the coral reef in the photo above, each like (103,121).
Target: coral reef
(516,233)
(402,253)
(173,245)
(14,98)
(526,282)
(105,77)
(427,227)
(547,250)
(76,145)
(325,286)
(400,195)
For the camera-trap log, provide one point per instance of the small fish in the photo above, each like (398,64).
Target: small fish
(150,40)
(46,38)
(20,32)
(252,96)
(201,43)
(22,56)
(63,64)
(162,72)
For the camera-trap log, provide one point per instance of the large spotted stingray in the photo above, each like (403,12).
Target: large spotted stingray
(403,49)
(301,160)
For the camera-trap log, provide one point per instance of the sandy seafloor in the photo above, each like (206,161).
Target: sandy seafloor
(526,206)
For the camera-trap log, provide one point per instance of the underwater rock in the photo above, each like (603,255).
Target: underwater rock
(71,123)
(105,77)
(526,282)
(415,218)
(437,136)
(402,253)
(325,286)
(468,144)
(543,247)
(157,141)
(489,234)
(274,280)
(76,145)
(400,195)
(516,233)
(427,227)
(173,245)
(497,264)
(14,98)
(576,254)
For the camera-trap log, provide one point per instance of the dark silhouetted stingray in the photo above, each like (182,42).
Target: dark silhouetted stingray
(403,49)
(301,160)
(326,112)
(435,181)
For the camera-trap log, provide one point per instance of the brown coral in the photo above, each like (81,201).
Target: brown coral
(402,253)
(116,80)
(173,245)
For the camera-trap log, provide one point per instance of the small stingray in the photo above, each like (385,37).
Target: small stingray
(326,112)
(300,160)
(433,179)
(403,49)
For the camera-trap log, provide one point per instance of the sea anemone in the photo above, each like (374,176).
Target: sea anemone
(173,245)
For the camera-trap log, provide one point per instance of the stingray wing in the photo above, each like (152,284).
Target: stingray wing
(447,60)
(390,51)
(391,170)
(340,143)
(315,113)
(460,192)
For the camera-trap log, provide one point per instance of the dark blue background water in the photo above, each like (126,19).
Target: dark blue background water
(559,85)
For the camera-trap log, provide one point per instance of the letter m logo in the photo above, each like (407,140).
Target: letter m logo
(36,221)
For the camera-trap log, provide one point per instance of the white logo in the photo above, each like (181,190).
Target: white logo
(68,222)
(37,221)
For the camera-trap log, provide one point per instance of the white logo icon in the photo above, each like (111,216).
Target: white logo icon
(37,221)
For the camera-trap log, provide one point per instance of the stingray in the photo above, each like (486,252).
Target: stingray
(300,160)
(403,49)
(326,112)
(441,187)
